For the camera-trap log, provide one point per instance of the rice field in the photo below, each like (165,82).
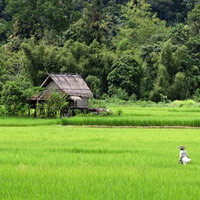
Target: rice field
(132,116)
(17,121)
(142,116)
(77,163)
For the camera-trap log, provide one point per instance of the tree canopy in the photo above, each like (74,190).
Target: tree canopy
(146,49)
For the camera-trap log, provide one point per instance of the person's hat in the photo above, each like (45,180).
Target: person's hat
(182,147)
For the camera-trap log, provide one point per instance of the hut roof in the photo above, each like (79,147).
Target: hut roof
(72,85)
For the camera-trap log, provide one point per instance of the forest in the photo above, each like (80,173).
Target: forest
(129,49)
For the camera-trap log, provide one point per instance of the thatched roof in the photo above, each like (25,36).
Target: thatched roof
(72,85)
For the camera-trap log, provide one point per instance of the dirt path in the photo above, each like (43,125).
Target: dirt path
(103,126)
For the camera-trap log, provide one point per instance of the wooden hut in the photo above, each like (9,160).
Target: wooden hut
(72,86)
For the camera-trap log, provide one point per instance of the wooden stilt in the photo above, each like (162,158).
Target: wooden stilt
(29,112)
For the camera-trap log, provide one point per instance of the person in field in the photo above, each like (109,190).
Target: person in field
(184,158)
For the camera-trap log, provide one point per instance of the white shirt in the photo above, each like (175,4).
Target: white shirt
(183,153)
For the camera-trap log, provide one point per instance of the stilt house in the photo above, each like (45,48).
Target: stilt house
(72,86)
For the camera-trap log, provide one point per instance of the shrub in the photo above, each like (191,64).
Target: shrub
(188,102)
(55,104)
(133,97)
(177,103)
(119,112)
(121,94)
(77,112)
(94,103)
(196,95)
(15,95)
(103,114)
(94,84)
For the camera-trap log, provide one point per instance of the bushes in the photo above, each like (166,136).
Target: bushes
(186,103)
(15,95)
(94,103)
(53,106)
(119,112)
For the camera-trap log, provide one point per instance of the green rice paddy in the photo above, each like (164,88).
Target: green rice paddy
(17,121)
(132,116)
(55,162)
(139,116)
(41,160)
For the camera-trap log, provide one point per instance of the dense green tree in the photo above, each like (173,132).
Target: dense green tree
(40,59)
(15,94)
(139,26)
(167,59)
(75,57)
(193,42)
(125,74)
(193,45)
(94,84)
(10,65)
(194,20)
(94,24)
(94,59)
(178,89)
(161,85)
(182,59)
(172,11)
(179,34)
(119,46)
(32,17)
(150,55)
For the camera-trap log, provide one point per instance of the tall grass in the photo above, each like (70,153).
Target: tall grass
(123,121)
(45,163)
(130,116)
(141,116)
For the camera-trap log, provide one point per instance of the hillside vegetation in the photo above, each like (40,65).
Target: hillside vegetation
(129,49)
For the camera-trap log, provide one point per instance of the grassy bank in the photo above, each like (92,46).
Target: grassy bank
(105,164)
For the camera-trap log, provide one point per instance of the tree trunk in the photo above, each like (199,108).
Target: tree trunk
(3,4)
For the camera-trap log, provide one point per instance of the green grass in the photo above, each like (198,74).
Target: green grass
(125,121)
(132,116)
(45,162)
(158,111)
(17,121)
(138,116)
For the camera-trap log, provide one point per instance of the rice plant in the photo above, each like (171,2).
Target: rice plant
(17,121)
(71,163)
(138,116)
(132,116)
(124,121)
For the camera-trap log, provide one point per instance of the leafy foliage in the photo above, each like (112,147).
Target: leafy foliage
(15,95)
(124,48)
(55,104)
(125,74)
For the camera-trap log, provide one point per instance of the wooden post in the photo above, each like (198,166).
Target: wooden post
(61,113)
(29,112)
(35,113)
(69,112)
